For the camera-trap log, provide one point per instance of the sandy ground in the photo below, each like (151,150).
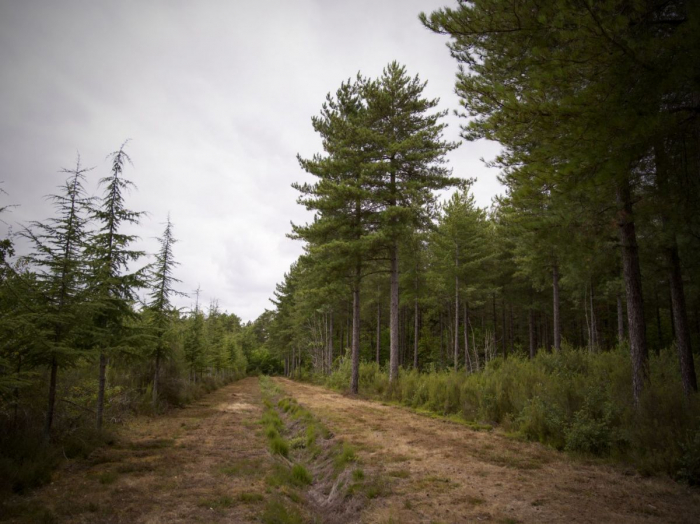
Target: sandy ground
(209,462)
(440,471)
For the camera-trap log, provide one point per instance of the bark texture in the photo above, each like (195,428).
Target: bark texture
(394,315)
(633,289)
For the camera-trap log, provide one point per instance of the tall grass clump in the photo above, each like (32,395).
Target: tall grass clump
(573,400)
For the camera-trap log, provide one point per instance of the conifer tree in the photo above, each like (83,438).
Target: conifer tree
(194,344)
(160,296)
(112,287)
(405,139)
(341,235)
(59,261)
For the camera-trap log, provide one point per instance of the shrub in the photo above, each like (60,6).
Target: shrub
(573,399)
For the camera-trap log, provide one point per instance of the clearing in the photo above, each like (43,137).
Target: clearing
(210,462)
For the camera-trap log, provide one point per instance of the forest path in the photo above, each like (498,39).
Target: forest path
(209,462)
(435,470)
(204,463)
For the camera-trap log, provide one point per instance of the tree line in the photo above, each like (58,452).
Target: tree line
(85,308)
(593,244)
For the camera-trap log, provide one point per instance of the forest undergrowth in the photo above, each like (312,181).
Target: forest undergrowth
(575,401)
(27,458)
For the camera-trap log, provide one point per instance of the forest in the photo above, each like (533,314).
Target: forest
(566,313)
(90,334)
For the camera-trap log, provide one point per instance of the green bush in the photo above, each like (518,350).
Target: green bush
(573,400)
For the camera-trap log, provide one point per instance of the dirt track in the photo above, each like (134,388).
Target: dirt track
(209,463)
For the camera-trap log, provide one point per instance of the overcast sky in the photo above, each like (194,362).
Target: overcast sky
(217,99)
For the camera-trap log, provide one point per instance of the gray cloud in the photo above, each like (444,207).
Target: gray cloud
(217,98)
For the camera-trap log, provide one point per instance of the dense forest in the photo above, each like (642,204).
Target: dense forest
(568,312)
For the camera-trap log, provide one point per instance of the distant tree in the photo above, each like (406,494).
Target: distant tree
(162,312)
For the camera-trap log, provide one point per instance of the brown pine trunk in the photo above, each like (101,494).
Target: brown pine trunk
(467,358)
(680,321)
(330,345)
(101,390)
(415,333)
(52,399)
(555,307)
(620,321)
(155,381)
(442,342)
(355,379)
(456,333)
(531,331)
(505,329)
(379,328)
(495,325)
(633,288)
(394,315)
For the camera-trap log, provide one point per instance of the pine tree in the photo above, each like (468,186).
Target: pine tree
(408,156)
(341,236)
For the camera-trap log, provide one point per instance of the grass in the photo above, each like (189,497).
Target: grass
(242,468)
(301,475)
(277,512)
(345,456)
(279,446)
(222,502)
(108,477)
(358,475)
(250,498)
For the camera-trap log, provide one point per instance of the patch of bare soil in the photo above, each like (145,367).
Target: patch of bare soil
(204,463)
(433,470)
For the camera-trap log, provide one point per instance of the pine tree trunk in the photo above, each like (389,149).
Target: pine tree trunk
(330,345)
(101,390)
(511,329)
(505,330)
(467,358)
(415,333)
(394,315)
(379,328)
(442,342)
(52,399)
(155,380)
(355,379)
(456,333)
(620,321)
(633,288)
(555,307)
(495,323)
(680,321)
(659,333)
(531,331)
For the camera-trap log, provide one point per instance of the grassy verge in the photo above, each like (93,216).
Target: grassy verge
(309,458)
(576,401)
